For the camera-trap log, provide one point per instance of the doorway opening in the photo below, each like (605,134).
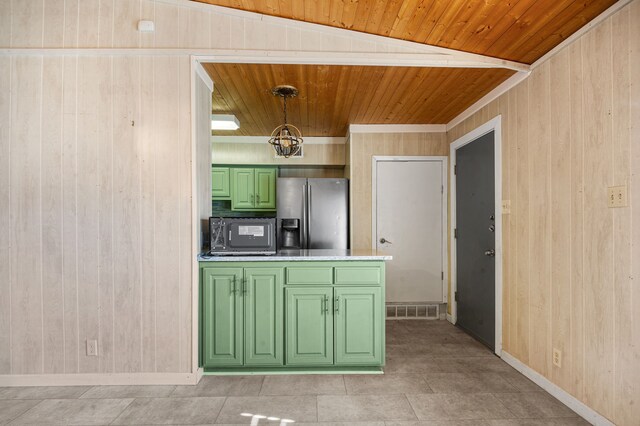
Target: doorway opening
(476,233)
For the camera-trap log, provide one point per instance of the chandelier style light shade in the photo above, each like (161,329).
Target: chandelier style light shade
(286,139)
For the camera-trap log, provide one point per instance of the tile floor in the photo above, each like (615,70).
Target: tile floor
(435,375)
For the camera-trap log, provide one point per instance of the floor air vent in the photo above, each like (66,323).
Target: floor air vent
(404,311)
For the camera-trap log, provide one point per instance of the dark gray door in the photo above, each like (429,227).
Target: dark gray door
(475,243)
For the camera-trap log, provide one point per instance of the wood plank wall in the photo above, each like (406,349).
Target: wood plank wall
(95,213)
(362,147)
(250,153)
(571,264)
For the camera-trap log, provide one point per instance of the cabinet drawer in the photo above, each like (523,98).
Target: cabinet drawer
(309,275)
(369,275)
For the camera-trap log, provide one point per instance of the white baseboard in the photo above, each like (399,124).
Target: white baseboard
(100,379)
(450,318)
(584,411)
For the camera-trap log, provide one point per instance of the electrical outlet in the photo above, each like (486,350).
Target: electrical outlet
(92,347)
(506,206)
(617,196)
(557,358)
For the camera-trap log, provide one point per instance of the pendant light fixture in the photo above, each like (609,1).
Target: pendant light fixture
(286,139)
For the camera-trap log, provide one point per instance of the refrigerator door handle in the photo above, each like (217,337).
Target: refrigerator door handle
(303,237)
(308,208)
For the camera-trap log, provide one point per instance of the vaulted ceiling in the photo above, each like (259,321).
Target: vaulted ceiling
(332,97)
(518,30)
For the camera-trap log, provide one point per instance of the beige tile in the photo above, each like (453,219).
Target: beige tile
(520,382)
(574,421)
(385,384)
(468,383)
(439,423)
(313,384)
(458,407)
(296,408)
(534,405)
(415,365)
(43,392)
(167,411)
(222,386)
(73,412)
(353,408)
(12,408)
(128,392)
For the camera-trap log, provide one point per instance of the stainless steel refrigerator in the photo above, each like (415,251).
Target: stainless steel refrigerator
(313,213)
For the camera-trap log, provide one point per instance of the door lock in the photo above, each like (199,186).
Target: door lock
(492,228)
(490,253)
(383,241)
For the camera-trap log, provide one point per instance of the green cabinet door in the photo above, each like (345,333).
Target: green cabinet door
(265,187)
(359,325)
(222,323)
(309,326)
(242,188)
(264,327)
(220,187)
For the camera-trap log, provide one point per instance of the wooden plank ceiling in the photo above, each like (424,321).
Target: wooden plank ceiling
(518,30)
(332,97)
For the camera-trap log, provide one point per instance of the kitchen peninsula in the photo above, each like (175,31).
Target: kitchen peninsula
(296,311)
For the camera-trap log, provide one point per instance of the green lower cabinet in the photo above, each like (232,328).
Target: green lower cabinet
(264,328)
(358,325)
(223,317)
(265,316)
(309,326)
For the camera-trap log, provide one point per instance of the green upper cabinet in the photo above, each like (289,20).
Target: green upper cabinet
(243,184)
(253,188)
(220,183)
(264,328)
(223,317)
(358,325)
(309,326)
(265,188)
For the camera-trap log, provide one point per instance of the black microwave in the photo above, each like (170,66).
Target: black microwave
(242,236)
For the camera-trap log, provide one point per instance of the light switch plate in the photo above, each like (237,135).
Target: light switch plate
(617,196)
(506,206)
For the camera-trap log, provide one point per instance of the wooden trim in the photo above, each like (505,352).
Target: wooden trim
(312,140)
(557,392)
(99,379)
(494,125)
(434,60)
(502,88)
(397,128)
(202,73)
(374,213)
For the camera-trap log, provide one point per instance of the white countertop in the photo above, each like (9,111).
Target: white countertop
(302,255)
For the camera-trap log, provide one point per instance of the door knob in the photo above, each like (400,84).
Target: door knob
(383,241)
(490,253)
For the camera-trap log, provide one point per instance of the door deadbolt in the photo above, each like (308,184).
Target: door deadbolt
(490,253)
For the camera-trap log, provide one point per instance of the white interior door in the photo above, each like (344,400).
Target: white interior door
(409,225)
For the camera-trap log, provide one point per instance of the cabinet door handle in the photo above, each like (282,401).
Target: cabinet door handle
(244,286)
(251,198)
(326,304)
(337,303)
(257,198)
(233,290)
